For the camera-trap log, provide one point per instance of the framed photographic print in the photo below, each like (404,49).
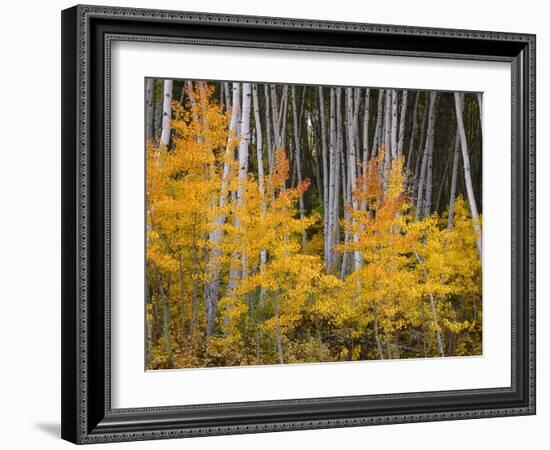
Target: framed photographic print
(280,224)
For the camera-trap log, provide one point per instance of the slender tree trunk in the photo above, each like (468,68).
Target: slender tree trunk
(402,120)
(393,124)
(466,163)
(413,133)
(212,286)
(324,157)
(274,114)
(387,137)
(332,201)
(259,155)
(377,141)
(227,92)
(297,158)
(182,294)
(421,148)
(343,172)
(157,114)
(283,117)
(452,196)
(165,317)
(430,146)
(167,113)
(278,333)
(338,175)
(425,173)
(270,150)
(388,350)
(149,109)
(376,332)
(432,309)
(366,132)
(244,141)
(352,124)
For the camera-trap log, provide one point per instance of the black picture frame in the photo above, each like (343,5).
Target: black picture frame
(87,33)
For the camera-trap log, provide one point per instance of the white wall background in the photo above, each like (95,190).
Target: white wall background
(30,223)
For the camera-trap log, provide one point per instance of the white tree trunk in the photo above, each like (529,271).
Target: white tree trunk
(387,129)
(377,141)
(259,156)
(425,174)
(166,113)
(239,262)
(270,144)
(402,120)
(333,182)
(297,157)
(430,146)
(413,133)
(344,178)
(366,132)
(452,196)
(393,123)
(326,176)
(212,286)
(227,96)
(420,198)
(459,98)
(421,147)
(352,124)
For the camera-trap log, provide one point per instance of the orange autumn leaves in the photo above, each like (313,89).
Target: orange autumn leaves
(283,307)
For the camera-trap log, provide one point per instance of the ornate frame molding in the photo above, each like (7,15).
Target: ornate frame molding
(80,419)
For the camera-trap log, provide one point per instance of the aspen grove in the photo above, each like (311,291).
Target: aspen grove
(293,224)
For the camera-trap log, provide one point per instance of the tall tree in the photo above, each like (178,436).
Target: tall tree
(149,108)
(167,113)
(459,98)
(212,286)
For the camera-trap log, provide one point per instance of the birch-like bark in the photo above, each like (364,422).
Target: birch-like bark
(212,286)
(297,157)
(244,141)
(452,196)
(331,183)
(343,173)
(325,165)
(149,109)
(420,199)
(338,175)
(270,150)
(352,124)
(283,120)
(466,163)
(387,135)
(430,146)
(157,114)
(357,137)
(413,134)
(166,114)
(274,114)
(377,140)
(366,132)
(227,92)
(402,119)
(260,159)
(393,124)
(421,147)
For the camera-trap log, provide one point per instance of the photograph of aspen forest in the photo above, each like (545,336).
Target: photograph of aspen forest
(305,224)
